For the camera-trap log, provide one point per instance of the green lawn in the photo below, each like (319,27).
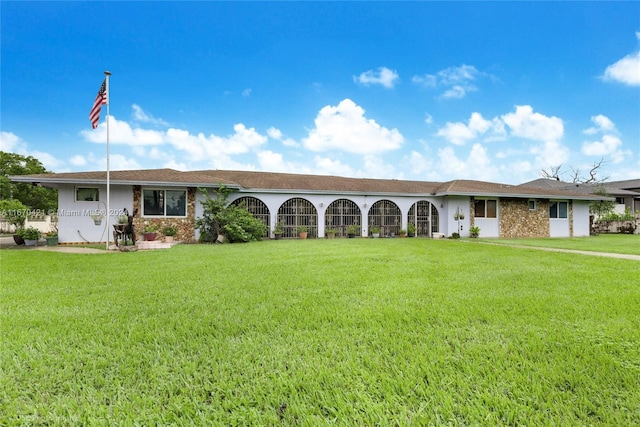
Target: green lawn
(613,243)
(319,332)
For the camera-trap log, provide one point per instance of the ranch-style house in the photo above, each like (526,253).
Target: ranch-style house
(434,209)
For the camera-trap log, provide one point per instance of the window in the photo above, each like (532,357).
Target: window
(486,208)
(619,200)
(84,194)
(558,209)
(532,205)
(164,202)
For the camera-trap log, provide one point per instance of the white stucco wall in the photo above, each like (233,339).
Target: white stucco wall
(75,224)
(580,219)
(322,201)
(448,223)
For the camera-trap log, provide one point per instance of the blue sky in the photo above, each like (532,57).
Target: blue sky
(421,90)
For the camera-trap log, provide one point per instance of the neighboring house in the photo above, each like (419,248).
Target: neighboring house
(167,196)
(626,193)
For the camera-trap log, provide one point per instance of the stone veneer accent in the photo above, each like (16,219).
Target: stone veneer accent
(186,226)
(516,220)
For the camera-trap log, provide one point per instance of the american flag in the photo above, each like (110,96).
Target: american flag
(94,115)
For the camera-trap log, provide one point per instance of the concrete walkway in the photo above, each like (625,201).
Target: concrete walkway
(571,251)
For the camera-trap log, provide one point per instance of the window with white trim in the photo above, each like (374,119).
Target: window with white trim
(86,194)
(532,205)
(485,208)
(160,202)
(558,210)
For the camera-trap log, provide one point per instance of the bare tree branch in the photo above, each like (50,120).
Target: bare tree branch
(576,176)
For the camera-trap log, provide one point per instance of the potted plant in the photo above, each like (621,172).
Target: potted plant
(15,212)
(150,231)
(169,232)
(459,215)
(97,217)
(375,232)
(331,232)
(402,232)
(411,229)
(474,231)
(302,230)
(30,236)
(52,236)
(123,219)
(279,230)
(352,230)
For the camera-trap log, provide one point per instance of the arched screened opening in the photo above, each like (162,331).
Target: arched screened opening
(387,216)
(298,212)
(425,217)
(340,214)
(257,208)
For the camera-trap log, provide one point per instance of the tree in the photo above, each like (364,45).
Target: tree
(234,222)
(601,208)
(34,197)
(576,176)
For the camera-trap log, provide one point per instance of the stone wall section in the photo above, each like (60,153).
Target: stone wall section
(517,220)
(186,226)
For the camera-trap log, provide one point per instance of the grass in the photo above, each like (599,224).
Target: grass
(320,332)
(611,243)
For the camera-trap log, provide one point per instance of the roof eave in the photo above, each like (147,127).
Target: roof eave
(589,197)
(90,181)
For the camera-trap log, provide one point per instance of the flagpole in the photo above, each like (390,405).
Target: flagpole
(107,74)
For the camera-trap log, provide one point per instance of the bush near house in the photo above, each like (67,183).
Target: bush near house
(220,218)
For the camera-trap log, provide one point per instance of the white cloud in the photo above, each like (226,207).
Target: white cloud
(344,127)
(625,70)
(459,133)
(119,162)
(457,92)
(11,143)
(609,145)
(327,166)
(78,160)
(197,146)
(383,76)
(477,165)
(139,115)
(428,118)
(374,162)
(602,124)
(458,81)
(606,146)
(525,123)
(274,133)
(120,132)
(549,153)
(200,146)
(172,164)
(246,92)
(274,162)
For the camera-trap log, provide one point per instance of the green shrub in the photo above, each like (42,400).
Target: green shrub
(234,222)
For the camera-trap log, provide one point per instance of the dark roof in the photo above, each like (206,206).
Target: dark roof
(275,181)
(614,188)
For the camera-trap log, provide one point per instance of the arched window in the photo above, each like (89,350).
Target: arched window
(425,217)
(387,216)
(257,208)
(298,212)
(340,214)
